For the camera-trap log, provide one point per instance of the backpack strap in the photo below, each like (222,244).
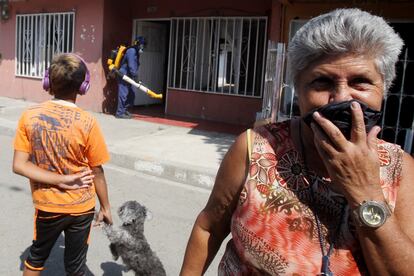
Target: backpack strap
(249,144)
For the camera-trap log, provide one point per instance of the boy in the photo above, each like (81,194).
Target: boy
(60,148)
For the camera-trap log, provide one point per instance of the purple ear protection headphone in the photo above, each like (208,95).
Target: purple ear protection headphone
(84,87)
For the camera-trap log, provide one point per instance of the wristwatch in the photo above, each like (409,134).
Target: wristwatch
(372,214)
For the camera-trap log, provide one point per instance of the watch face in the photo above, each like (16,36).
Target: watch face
(373,214)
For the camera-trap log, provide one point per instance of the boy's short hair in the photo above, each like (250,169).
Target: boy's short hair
(66,73)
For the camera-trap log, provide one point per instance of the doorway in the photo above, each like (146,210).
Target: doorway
(153,69)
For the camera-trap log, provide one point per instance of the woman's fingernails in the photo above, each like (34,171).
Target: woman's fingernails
(316,114)
(355,105)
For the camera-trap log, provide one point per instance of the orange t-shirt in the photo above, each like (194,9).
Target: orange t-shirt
(65,139)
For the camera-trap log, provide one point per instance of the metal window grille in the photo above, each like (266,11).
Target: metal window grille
(224,55)
(39,37)
(398,119)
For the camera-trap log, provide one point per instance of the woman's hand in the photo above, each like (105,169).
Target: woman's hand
(353,164)
(76,181)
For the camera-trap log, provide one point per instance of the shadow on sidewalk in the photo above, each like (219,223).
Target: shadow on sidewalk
(220,134)
(112,269)
(221,140)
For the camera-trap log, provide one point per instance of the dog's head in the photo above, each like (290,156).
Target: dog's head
(131,212)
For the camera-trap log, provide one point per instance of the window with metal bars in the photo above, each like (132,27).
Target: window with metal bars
(224,55)
(39,37)
(398,119)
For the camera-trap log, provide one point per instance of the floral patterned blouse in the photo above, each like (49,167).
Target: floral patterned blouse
(274,230)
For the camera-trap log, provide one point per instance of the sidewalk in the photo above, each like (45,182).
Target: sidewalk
(185,155)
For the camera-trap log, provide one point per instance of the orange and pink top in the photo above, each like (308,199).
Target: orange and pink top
(274,230)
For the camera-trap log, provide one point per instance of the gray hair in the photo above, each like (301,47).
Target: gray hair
(346,31)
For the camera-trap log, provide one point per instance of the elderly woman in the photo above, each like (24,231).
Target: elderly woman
(302,200)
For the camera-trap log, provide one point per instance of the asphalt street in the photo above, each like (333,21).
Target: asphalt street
(174,207)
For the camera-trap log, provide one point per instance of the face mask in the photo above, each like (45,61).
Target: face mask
(340,115)
(141,49)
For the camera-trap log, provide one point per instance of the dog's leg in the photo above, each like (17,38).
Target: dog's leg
(115,236)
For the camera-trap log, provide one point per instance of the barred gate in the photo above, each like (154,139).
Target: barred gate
(221,55)
(398,121)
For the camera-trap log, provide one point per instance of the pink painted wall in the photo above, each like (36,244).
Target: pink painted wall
(221,108)
(88,44)
(183,8)
(274,22)
(117,27)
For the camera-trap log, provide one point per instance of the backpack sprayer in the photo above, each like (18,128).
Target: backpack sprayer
(114,63)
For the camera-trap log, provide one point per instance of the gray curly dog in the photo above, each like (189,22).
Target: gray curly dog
(129,242)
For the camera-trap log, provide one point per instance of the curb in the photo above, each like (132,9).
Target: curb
(199,177)
(194,176)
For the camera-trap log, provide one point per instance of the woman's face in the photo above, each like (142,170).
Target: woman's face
(340,78)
